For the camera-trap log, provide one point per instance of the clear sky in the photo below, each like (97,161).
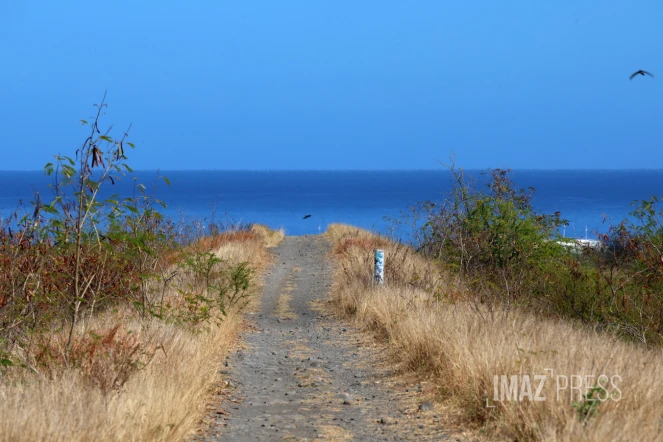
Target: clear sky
(337,84)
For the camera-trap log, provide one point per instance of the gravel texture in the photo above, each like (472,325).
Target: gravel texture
(304,375)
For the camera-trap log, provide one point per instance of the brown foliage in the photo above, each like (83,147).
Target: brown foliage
(36,283)
(106,357)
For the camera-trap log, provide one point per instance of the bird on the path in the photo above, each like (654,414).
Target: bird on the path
(306,216)
(640,72)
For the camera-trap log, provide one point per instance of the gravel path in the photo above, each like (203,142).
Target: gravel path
(304,375)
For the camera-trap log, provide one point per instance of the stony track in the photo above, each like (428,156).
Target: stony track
(304,375)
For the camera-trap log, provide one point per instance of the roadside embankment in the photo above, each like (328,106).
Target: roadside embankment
(140,377)
(508,372)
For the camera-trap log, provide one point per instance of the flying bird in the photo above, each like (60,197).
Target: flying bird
(640,72)
(306,216)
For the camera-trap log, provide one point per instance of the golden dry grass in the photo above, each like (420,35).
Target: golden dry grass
(434,332)
(164,401)
(272,238)
(283,309)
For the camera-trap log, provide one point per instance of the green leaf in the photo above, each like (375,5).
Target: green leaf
(131,209)
(48,169)
(106,138)
(133,146)
(166,180)
(6,362)
(83,122)
(50,209)
(68,171)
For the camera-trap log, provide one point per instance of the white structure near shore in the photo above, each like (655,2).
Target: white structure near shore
(576,244)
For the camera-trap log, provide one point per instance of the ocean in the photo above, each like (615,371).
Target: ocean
(591,200)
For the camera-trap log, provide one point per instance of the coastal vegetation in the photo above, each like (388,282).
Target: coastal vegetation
(113,319)
(489,298)
(511,256)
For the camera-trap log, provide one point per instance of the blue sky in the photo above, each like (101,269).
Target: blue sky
(337,84)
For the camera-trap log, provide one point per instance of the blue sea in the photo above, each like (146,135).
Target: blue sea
(591,200)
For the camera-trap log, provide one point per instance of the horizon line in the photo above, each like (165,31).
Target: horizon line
(440,169)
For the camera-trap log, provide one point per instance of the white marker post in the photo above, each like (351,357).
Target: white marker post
(378,272)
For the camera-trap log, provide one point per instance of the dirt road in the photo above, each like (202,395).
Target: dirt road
(304,375)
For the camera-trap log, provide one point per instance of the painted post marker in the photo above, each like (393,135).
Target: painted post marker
(378,273)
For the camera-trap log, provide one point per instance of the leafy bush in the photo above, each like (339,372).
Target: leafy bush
(624,279)
(509,255)
(77,255)
(588,406)
(215,286)
(493,238)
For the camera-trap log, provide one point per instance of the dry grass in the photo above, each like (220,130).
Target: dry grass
(283,309)
(434,332)
(164,400)
(272,238)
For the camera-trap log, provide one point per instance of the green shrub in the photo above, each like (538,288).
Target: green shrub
(507,255)
(493,238)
